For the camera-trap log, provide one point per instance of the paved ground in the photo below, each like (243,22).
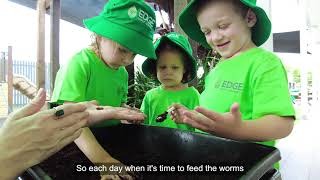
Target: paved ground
(300,152)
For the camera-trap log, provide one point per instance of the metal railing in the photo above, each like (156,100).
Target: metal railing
(26,69)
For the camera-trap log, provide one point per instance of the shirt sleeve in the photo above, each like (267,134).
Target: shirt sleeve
(71,81)
(145,108)
(270,91)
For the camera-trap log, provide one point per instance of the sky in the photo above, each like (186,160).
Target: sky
(20,32)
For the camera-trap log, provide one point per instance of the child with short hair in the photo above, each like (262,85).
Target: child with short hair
(174,68)
(98,73)
(246,95)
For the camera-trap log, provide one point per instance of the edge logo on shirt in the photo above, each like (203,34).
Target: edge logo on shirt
(229,85)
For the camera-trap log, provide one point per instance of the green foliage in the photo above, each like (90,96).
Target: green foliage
(207,60)
(140,87)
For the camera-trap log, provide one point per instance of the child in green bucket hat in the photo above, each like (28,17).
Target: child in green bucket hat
(246,95)
(174,68)
(98,73)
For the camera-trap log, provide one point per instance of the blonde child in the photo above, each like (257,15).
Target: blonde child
(246,95)
(123,29)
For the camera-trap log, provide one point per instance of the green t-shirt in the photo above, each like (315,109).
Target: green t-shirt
(86,77)
(256,79)
(157,101)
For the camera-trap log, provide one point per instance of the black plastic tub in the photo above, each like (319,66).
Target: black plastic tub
(141,146)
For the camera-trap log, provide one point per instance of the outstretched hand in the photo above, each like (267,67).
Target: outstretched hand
(29,136)
(101,113)
(222,124)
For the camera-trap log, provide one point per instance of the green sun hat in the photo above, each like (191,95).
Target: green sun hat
(189,23)
(149,64)
(131,23)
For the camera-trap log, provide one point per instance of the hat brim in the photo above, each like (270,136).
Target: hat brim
(131,39)
(149,64)
(189,24)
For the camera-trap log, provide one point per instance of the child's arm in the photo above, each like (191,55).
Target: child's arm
(231,125)
(269,127)
(88,144)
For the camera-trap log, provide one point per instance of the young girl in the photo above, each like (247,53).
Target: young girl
(98,73)
(246,95)
(174,68)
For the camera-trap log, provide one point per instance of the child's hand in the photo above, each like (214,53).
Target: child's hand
(100,113)
(177,114)
(226,125)
(130,121)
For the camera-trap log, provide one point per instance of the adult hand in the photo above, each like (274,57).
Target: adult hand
(28,136)
(226,125)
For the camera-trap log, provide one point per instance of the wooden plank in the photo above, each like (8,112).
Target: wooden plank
(40,72)
(54,41)
(10,80)
(178,6)
(2,67)
(3,99)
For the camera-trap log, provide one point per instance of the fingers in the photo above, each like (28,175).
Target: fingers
(68,109)
(208,113)
(176,106)
(177,112)
(196,124)
(127,114)
(196,119)
(131,116)
(235,110)
(90,104)
(136,109)
(95,102)
(65,141)
(69,131)
(136,117)
(175,116)
(72,119)
(34,106)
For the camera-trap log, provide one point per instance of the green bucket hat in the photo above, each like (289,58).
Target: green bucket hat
(149,64)
(131,23)
(189,23)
